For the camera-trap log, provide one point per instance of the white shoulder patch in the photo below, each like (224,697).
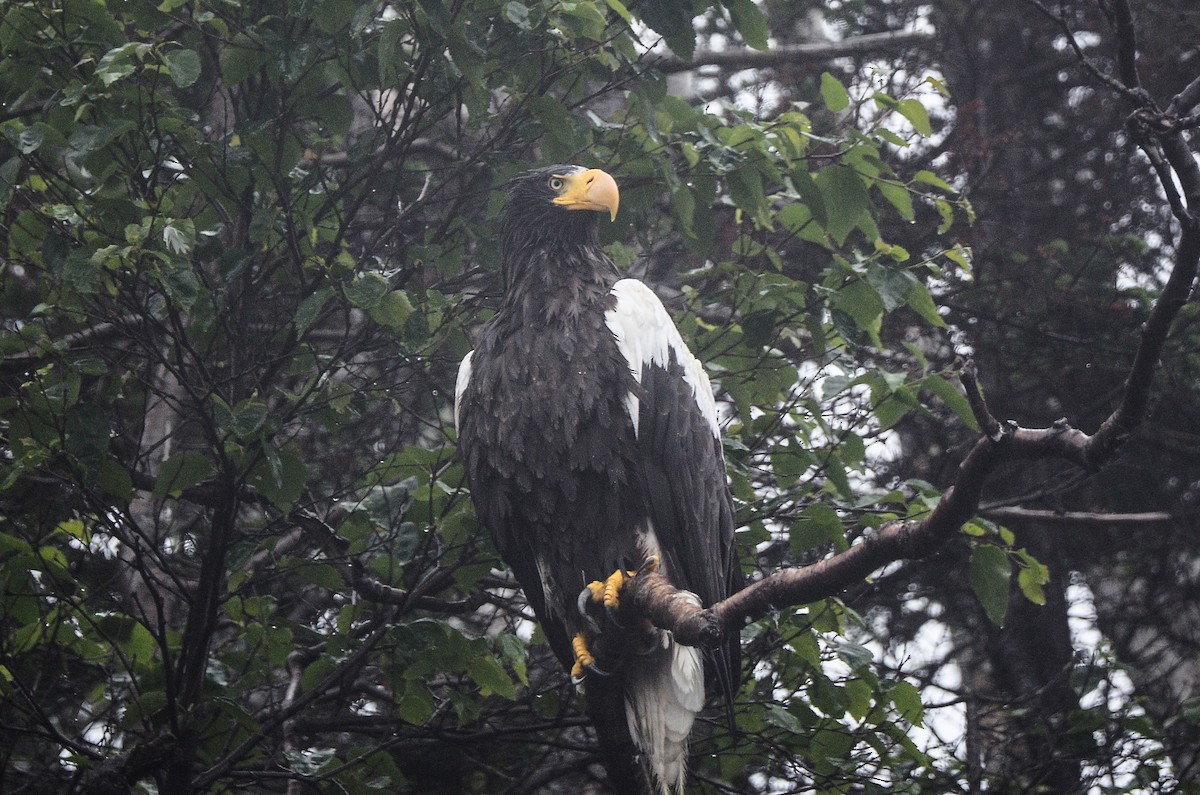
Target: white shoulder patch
(645,335)
(460,386)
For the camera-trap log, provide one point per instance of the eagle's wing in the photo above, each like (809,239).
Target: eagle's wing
(519,557)
(679,446)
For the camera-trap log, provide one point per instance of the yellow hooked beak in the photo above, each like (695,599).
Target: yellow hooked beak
(592,189)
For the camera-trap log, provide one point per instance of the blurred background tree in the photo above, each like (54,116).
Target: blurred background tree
(245,244)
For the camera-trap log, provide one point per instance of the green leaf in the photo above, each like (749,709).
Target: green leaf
(182,470)
(241,58)
(777,715)
(929,178)
(116,63)
(333,15)
(673,21)
(946,391)
(243,420)
(846,201)
(906,698)
(859,695)
(856,656)
(921,302)
(310,309)
(115,480)
(946,211)
(821,525)
(746,189)
(1030,580)
(1032,576)
(518,14)
(368,290)
(833,93)
(899,197)
(183,66)
(30,139)
(990,574)
(750,22)
(889,408)
(415,705)
(491,677)
(960,256)
(917,115)
(621,9)
(862,303)
(280,476)
(392,310)
(132,638)
(513,650)
(558,126)
(893,285)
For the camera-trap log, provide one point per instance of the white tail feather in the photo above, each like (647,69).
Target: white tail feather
(661,704)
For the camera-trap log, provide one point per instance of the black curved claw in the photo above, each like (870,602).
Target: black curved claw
(590,668)
(597,670)
(581,604)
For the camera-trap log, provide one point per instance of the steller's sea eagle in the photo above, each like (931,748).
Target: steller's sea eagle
(590,439)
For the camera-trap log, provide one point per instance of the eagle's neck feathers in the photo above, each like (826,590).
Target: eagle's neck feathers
(555,271)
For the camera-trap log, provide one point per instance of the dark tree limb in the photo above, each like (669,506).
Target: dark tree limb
(1081,518)
(791,56)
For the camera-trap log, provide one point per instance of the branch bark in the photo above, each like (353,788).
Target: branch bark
(1081,518)
(792,56)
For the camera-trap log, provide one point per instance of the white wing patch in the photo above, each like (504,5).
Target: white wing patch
(645,335)
(460,386)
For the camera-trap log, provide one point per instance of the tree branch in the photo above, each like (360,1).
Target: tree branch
(1084,518)
(791,56)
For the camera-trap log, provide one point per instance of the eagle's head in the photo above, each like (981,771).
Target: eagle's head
(544,205)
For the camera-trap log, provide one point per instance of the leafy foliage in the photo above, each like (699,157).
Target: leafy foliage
(243,252)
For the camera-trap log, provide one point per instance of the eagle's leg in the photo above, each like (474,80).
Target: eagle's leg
(585,663)
(606,593)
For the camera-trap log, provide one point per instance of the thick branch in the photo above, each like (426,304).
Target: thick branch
(1081,518)
(798,54)
(1126,44)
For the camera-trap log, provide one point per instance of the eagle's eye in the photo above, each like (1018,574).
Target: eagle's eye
(555,183)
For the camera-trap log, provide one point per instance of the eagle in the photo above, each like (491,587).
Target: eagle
(590,440)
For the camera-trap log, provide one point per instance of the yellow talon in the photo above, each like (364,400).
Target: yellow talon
(612,589)
(609,591)
(583,657)
(597,589)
